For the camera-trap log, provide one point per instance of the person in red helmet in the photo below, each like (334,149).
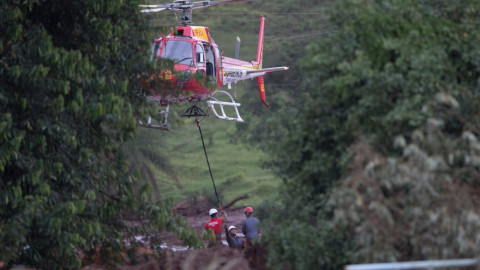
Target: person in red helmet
(250,226)
(215,224)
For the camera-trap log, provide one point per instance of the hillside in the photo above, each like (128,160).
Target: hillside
(235,166)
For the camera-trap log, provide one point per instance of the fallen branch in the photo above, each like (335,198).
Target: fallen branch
(228,205)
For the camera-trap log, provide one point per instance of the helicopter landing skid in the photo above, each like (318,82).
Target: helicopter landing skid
(155,126)
(221,104)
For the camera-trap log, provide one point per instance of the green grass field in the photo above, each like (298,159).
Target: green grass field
(236,168)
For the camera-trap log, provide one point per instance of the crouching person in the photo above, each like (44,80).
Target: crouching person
(233,240)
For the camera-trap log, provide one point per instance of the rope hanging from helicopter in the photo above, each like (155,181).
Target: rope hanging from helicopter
(195,111)
(206,157)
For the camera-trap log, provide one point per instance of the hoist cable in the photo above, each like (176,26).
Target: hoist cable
(208,163)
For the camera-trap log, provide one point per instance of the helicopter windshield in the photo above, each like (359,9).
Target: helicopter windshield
(179,51)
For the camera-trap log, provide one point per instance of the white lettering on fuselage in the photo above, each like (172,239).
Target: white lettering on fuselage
(234,74)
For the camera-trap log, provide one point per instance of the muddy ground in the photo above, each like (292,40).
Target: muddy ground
(219,257)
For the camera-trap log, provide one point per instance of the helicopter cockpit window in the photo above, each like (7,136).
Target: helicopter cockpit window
(179,51)
(199,53)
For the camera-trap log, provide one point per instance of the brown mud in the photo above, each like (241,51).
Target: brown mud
(178,257)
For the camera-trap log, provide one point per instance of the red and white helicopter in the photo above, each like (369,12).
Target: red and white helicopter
(196,55)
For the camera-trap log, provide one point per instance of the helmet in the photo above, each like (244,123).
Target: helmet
(212,211)
(231,227)
(248,209)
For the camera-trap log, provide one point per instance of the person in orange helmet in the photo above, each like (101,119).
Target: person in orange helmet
(250,226)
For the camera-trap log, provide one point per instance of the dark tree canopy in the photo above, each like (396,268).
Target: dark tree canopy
(68,97)
(392,71)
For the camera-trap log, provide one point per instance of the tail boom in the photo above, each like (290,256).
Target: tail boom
(260,42)
(235,70)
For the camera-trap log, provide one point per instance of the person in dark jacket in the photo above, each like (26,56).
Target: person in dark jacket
(250,226)
(233,240)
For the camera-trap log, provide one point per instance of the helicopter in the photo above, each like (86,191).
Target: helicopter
(200,71)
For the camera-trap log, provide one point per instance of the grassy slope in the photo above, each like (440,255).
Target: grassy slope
(235,167)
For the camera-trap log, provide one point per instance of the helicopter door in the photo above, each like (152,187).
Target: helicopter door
(199,55)
(210,61)
(200,59)
(219,67)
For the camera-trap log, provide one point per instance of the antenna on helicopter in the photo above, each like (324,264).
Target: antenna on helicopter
(183,8)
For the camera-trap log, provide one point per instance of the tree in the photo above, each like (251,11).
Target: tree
(69,92)
(369,82)
(422,204)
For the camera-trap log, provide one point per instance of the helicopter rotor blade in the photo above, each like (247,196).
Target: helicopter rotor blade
(177,6)
(152,10)
(204,4)
(227,1)
(151,6)
(184,6)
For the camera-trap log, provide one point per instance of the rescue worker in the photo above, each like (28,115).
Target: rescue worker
(215,224)
(233,240)
(250,226)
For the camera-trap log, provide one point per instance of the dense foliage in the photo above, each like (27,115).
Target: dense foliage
(421,204)
(68,96)
(381,77)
